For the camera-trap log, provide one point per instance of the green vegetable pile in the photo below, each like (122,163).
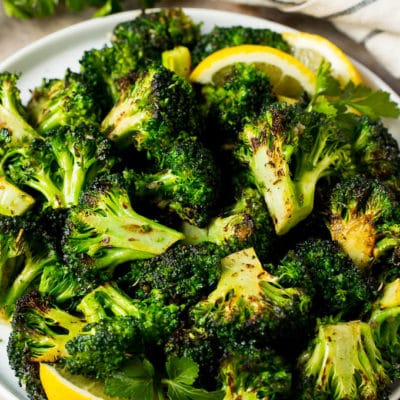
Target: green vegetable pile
(178,241)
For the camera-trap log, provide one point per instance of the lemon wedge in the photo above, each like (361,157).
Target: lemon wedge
(310,49)
(289,77)
(59,385)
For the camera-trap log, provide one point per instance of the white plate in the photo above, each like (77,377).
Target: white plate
(49,57)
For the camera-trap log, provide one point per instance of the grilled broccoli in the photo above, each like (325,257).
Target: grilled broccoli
(25,250)
(135,45)
(384,321)
(107,330)
(335,284)
(151,33)
(184,180)
(104,230)
(60,102)
(249,301)
(250,372)
(342,362)
(289,150)
(14,128)
(377,153)
(154,108)
(198,344)
(183,273)
(244,224)
(220,37)
(363,218)
(237,95)
(61,166)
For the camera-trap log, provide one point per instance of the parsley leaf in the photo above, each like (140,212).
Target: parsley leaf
(332,100)
(182,373)
(135,381)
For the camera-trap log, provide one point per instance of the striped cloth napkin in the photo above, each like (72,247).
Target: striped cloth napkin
(374,23)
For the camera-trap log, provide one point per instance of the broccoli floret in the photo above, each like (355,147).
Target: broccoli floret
(250,372)
(107,329)
(288,151)
(249,301)
(199,345)
(244,224)
(151,33)
(60,102)
(61,166)
(25,250)
(13,200)
(377,153)
(237,95)
(363,219)
(122,327)
(333,281)
(14,128)
(342,362)
(183,273)
(220,37)
(184,180)
(385,324)
(104,230)
(133,49)
(154,108)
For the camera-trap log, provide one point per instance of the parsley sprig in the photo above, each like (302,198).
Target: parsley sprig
(139,381)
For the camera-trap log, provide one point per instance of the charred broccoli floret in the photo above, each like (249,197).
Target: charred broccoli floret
(183,273)
(154,108)
(220,37)
(25,250)
(377,153)
(236,96)
(363,218)
(104,230)
(342,362)
(135,45)
(184,180)
(247,371)
(60,102)
(151,33)
(333,281)
(288,151)
(249,301)
(244,224)
(60,167)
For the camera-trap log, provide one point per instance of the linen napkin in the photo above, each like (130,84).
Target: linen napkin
(373,23)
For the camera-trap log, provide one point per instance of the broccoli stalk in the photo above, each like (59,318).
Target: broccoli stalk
(385,324)
(246,223)
(281,138)
(342,362)
(105,231)
(14,128)
(13,200)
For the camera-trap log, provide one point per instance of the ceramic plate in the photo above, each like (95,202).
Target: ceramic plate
(49,57)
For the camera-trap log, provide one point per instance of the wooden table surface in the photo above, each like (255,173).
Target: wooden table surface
(15,34)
